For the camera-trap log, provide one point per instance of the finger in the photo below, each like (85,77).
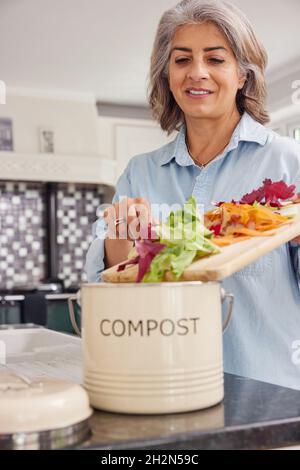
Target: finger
(131,211)
(116,230)
(111,212)
(137,215)
(110,218)
(142,201)
(111,215)
(139,220)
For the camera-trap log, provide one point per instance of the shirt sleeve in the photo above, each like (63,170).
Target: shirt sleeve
(95,256)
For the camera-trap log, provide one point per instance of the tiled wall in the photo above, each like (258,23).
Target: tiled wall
(77,205)
(23,232)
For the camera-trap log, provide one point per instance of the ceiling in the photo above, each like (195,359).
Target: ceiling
(102,47)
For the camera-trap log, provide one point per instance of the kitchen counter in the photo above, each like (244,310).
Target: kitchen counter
(254,415)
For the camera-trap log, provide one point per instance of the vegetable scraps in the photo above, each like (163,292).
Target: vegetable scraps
(270,193)
(234,222)
(182,238)
(185,236)
(252,215)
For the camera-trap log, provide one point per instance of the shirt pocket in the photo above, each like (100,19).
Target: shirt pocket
(259,268)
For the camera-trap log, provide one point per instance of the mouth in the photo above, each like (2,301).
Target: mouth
(198,92)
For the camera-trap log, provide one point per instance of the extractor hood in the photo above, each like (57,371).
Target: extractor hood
(57,168)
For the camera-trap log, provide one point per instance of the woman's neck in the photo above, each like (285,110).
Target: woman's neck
(207,138)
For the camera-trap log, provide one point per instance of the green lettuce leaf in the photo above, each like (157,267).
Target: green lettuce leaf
(186,239)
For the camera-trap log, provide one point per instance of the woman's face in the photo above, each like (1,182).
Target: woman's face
(203,72)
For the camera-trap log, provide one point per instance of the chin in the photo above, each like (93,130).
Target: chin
(200,113)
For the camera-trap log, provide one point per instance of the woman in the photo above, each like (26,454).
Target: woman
(207,81)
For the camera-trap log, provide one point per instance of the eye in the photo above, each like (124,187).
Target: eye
(216,61)
(181,60)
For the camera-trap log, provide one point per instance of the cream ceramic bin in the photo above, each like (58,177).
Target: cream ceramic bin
(153,348)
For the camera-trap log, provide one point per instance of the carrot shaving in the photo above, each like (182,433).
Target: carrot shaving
(225,241)
(246,231)
(233,222)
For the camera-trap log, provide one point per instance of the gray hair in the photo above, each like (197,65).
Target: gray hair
(250,54)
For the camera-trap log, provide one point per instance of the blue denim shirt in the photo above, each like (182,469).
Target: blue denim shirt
(264,332)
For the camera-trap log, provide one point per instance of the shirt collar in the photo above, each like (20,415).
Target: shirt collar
(248,130)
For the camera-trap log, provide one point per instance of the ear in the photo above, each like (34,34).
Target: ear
(242,80)
(241,83)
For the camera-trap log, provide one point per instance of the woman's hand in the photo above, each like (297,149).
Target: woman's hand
(128,220)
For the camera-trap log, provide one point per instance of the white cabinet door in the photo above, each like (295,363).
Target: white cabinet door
(133,139)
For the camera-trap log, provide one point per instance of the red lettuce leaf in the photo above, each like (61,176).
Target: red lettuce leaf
(147,250)
(278,190)
(270,193)
(256,196)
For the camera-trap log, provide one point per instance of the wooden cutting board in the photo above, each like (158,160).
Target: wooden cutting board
(216,267)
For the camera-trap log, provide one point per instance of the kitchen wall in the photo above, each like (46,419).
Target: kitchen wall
(73,120)
(284,99)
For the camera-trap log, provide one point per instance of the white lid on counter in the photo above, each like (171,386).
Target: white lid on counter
(33,405)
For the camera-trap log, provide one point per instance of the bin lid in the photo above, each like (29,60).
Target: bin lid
(35,405)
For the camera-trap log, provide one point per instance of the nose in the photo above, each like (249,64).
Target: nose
(198,71)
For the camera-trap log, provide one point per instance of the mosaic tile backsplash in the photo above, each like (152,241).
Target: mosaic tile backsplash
(76,212)
(23,232)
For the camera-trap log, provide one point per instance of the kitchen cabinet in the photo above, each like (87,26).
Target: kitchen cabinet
(10,312)
(118,141)
(57,312)
(58,318)
(121,139)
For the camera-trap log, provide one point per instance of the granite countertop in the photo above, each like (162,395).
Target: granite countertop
(254,415)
